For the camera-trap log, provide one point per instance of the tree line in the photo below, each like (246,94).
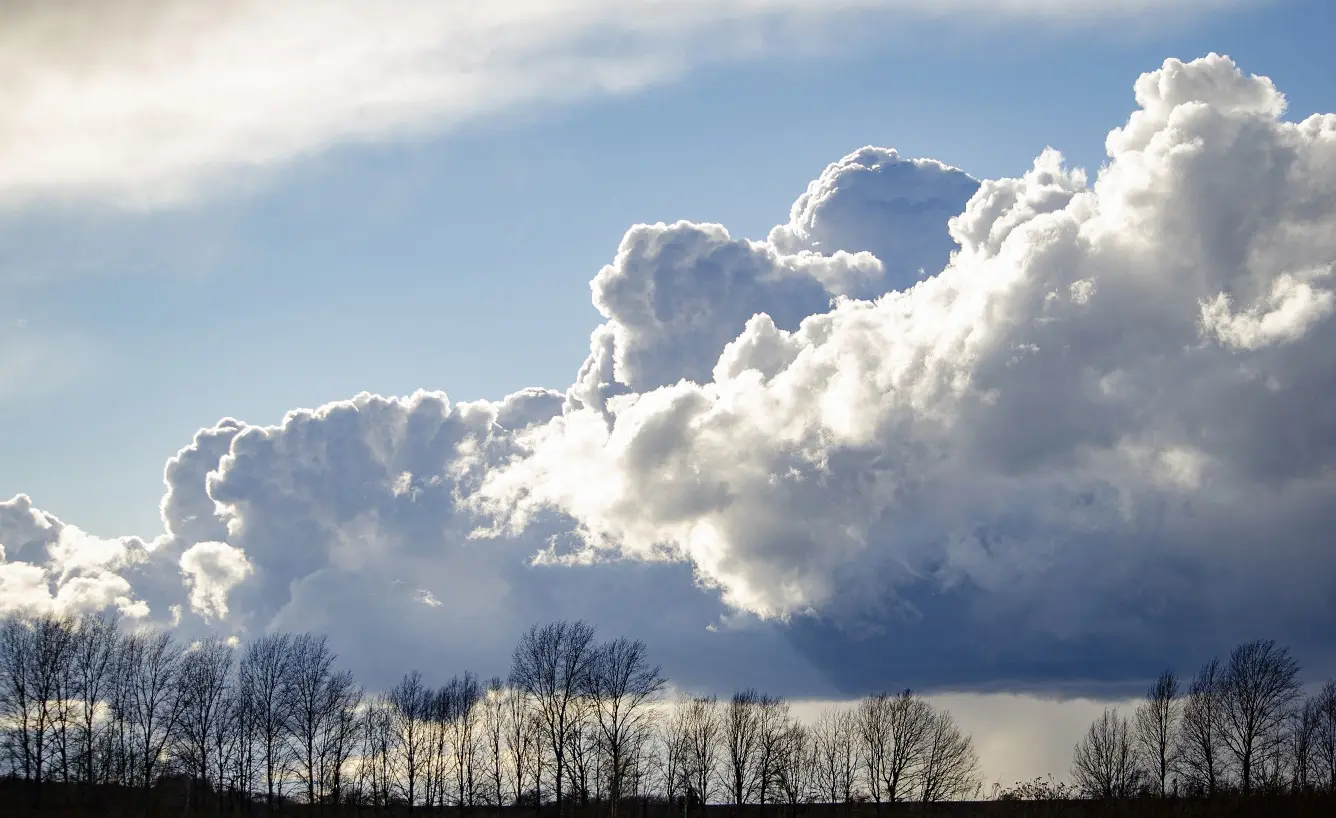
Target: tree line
(87,701)
(1241,727)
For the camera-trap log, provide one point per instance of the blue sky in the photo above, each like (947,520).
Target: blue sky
(461,260)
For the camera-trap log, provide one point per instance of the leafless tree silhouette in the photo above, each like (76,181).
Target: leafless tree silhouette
(950,767)
(1258,685)
(1104,763)
(1201,731)
(624,688)
(836,756)
(551,665)
(205,680)
(742,728)
(1156,728)
(1326,734)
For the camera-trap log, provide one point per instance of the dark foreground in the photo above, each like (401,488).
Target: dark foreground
(19,800)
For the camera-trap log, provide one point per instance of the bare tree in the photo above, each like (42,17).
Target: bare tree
(742,728)
(51,650)
(1104,762)
(582,754)
(204,680)
(122,766)
(551,665)
(1156,726)
(893,731)
(674,749)
(950,766)
(1301,740)
(774,725)
(874,737)
(408,711)
(316,696)
(61,700)
(17,696)
(1200,737)
(338,741)
(234,746)
(377,768)
(1258,685)
(835,756)
(523,735)
(156,698)
(463,695)
(493,740)
(703,727)
(1325,742)
(624,688)
(794,764)
(263,677)
(97,639)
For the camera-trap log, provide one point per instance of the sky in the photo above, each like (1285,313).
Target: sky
(829,347)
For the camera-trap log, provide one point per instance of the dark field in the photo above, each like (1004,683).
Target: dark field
(18,799)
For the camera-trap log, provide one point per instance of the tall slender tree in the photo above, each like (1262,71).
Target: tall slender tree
(205,680)
(551,665)
(264,679)
(624,688)
(156,696)
(1200,736)
(742,728)
(1325,743)
(1156,727)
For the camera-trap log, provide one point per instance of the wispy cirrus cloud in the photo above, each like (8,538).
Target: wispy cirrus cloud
(150,102)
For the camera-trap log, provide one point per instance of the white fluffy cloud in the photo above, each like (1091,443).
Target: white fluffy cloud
(1088,438)
(1113,392)
(675,295)
(346,519)
(875,201)
(143,102)
(211,570)
(48,566)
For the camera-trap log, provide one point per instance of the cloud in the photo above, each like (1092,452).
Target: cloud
(676,295)
(48,566)
(211,570)
(149,102)
(875,201)
(350,518)
(1068,430)
(1087,440)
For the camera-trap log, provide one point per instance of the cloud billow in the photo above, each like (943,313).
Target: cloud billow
(1102,421)
(1037,432)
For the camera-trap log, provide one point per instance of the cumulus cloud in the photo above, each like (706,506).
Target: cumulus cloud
(144,103)
(676,295)
(48,566)
(875,201)
(1087,439)
(211,570)
(1070,428)
(350,518)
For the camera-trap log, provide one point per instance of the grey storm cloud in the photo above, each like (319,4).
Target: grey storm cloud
(1036,432)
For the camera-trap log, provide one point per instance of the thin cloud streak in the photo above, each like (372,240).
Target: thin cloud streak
(150,103)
